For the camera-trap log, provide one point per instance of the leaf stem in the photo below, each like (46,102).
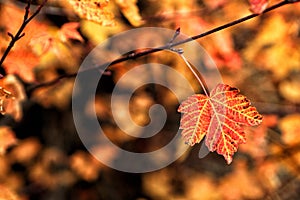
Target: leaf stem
(195,74)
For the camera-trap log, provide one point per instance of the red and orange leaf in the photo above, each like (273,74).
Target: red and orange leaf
(219,117)
(93,10)
(258,6)
(196,120)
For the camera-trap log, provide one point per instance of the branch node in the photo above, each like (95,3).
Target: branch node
(22,35)
(42,5)
(11,35)
(180,51)
(27,10)
(131,55)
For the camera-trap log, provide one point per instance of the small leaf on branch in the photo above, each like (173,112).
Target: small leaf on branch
(258,6)
(220,117)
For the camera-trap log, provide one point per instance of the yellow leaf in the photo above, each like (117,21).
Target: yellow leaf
(290,90)
(290,126)
(96,11)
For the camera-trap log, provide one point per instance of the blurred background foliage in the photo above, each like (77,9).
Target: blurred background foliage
(42,156)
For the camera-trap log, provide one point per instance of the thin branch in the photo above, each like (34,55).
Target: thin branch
(217,29)
(168,46)
(31,88)
(20,34)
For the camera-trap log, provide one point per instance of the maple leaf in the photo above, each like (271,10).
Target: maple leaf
(219,117)
(258,6)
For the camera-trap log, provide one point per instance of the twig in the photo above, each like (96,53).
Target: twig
(31,88)
(168,46)
(180,53)
(214,30)
(20,33)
